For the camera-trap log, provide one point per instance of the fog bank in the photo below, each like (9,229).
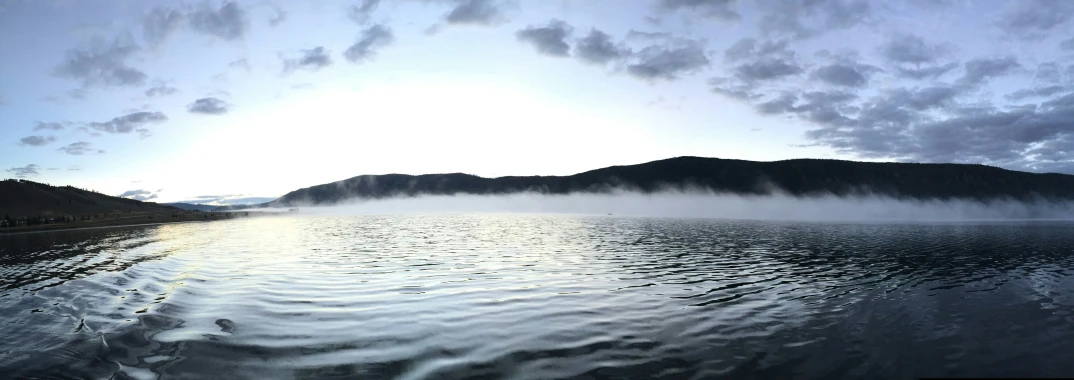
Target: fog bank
(696,204)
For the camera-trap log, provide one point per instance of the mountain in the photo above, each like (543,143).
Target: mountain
(191,206)
(22,198)
(32,206)
(799,177)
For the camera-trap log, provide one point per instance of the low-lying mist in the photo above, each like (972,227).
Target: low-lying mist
(699,204)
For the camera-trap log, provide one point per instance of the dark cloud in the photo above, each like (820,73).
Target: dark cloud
(767,69)
(140,195)
(925,72)
(209,106)
(80,148)
(981,70)
(668,62)
(311,60)
(912,49)
(102,64)
(805,19)
(1067,44)
(36,140)
(474,12)
(160,23)
(25,171)
(370,40)
(845,74)
(749,48)
(549,39)
(360,13)
(936,123)
(1034,18)
(597,47)
(911,57)
(160,89)
(228,22)
(43,126)
(1037,92)
(717,9)
(129,123)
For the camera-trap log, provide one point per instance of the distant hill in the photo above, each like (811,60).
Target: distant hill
(192,206)
(32,206)
(22,198)
(800,177)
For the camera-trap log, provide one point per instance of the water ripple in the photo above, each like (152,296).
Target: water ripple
(537,296)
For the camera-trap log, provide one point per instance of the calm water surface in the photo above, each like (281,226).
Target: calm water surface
(537,297)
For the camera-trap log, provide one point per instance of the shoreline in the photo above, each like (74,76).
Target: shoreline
(58,229)
(131,222)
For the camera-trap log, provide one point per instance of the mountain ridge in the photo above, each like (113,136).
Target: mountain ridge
(796,177)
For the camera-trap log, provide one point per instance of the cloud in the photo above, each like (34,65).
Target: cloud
(474,12)
(755,61)
(1034,18)
(130,122)
(842,75)
(36,140)
(160,89)
(912,49)
(361,13)
(25,171)
(160,23)
(1037,92)
(80,148)
(597,47)
(1067,44)
(241,64)
(668,62)
(369,41)
(311,60)
(102,64)
(766,69)
(929,124)
(549,39)
(982,69)
(209,106)
(716,9)
(42,126)
(227,23)
(927,72)
(807,19)
(279,17)
(140,195)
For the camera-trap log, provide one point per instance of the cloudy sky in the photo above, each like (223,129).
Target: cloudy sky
(220,100)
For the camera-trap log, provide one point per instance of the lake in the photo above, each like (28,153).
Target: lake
(446,296)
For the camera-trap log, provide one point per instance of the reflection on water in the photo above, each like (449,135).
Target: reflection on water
(538,296)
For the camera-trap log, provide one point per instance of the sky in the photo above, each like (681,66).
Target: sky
(225,101)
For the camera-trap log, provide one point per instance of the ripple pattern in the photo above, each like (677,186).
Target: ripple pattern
(537,297)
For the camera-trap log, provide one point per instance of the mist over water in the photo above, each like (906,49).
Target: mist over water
(538,297)
(700,204)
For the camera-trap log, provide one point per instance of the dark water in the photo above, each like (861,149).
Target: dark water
(538,297)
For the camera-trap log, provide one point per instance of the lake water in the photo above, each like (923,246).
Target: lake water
(538,297)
